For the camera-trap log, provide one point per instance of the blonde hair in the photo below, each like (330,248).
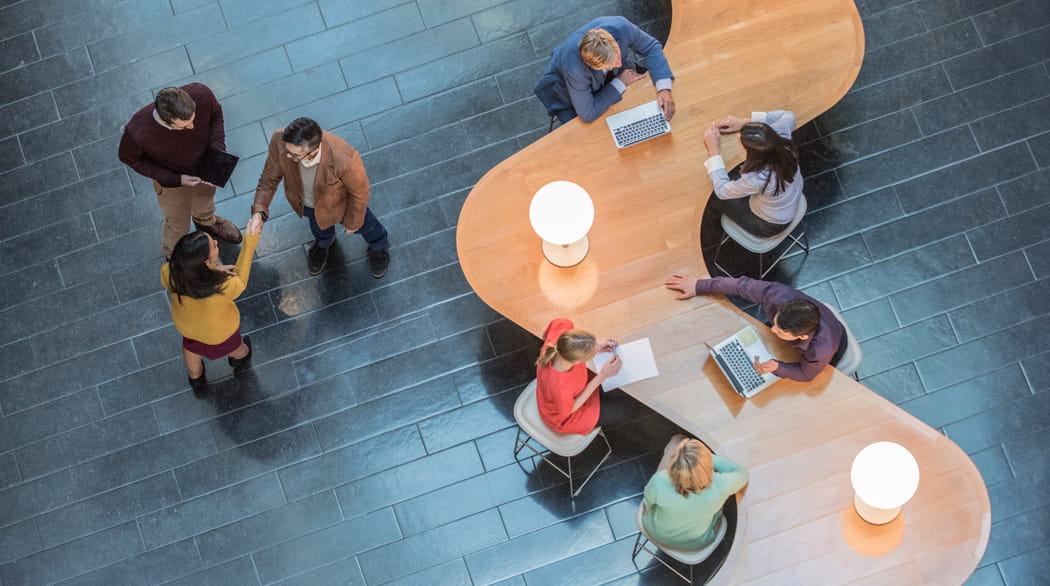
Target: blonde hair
(691,469)
(597,47)
(573,345)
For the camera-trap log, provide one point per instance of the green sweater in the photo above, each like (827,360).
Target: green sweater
(688,523)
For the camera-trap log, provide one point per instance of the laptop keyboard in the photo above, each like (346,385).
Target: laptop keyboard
(741,365)
(640,130)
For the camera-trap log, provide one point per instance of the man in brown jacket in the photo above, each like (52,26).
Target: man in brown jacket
(324,180)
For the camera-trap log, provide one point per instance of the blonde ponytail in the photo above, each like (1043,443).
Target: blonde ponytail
(573,345)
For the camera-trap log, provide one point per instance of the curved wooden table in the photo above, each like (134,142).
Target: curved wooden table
(797,523)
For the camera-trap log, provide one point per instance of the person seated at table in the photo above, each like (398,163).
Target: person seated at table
(763,201)
(586,73)
(566,390)
(683,500)
(803,322)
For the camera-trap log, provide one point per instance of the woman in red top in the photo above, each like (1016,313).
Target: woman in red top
(564,387)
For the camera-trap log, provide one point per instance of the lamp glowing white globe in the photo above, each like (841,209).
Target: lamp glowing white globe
(561,214)
(884,475)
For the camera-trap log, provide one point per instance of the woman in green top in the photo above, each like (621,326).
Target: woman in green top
(684,499)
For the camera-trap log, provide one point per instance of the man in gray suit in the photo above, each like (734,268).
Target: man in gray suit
(586,73)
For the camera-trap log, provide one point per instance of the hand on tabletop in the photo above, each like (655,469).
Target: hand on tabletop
(611,367)
(686,285)
(730,124)
(629,76)
(765,367)
(666,103)
(713,140)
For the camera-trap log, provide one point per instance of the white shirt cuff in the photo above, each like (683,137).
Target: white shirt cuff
(714,163)
(663,84)
(758,117)
(619,85)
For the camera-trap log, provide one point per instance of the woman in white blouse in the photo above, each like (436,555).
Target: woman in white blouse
(764,200)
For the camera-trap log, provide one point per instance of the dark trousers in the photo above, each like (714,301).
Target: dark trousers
(371,230)
(616,407)
(843,344)
(739,210)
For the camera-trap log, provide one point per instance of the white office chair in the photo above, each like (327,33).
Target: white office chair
(760,245)
(567,445)
(690,558)
(851,359)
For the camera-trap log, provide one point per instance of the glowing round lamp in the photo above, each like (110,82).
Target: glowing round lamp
(561,214)
(884,476)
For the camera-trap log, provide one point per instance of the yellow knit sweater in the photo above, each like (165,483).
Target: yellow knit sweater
(213,319)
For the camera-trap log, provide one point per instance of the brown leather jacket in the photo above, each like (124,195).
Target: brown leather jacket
(340,190)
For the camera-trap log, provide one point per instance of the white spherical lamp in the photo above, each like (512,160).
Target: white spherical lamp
(561,214)
(884,475)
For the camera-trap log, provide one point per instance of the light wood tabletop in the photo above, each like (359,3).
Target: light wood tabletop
(796,524)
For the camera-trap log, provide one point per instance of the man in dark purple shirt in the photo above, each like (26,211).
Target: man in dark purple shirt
(164,141)
(803,322)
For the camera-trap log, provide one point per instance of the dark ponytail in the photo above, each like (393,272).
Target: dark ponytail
(768,151)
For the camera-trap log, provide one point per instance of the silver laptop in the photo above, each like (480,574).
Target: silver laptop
(735,356)
(637,124)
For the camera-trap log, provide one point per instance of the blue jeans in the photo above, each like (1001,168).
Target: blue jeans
(371,230)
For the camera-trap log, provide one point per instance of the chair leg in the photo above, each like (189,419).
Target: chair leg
(795,241)
(551,127)
(640,545)
(608,453)
(518,444)
(714,261)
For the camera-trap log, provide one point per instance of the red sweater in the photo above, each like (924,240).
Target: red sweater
(556,391)
(163,154)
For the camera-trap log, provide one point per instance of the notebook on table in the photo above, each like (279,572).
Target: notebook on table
(215,166)
(637,124)
(735,357)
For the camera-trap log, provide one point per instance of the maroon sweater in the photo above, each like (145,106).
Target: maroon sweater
(163,154)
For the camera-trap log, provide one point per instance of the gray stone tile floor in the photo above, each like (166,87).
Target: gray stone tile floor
(371,442)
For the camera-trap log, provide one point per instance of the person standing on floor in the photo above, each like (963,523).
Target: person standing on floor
(202,293)
(324,180)
(164,141)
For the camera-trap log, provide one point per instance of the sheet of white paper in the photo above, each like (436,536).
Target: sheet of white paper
(638,364)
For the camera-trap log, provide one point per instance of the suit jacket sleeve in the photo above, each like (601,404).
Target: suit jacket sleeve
(355,180)
(644,44)
(271,177)
(589,106)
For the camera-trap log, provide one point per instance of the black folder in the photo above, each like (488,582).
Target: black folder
(215,166)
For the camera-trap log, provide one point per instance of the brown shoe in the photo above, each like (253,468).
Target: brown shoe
(222,229)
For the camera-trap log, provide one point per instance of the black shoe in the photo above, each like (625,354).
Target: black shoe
(316,258)
(240,364)
(378,261)
(198,384)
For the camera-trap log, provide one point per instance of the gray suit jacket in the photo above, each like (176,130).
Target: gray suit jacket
(569,87)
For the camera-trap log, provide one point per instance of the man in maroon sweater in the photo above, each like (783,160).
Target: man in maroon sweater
(164,141)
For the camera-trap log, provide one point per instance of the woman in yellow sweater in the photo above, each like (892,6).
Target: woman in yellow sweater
(202,294)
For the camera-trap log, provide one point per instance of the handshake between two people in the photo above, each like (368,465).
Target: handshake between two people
(255,225)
